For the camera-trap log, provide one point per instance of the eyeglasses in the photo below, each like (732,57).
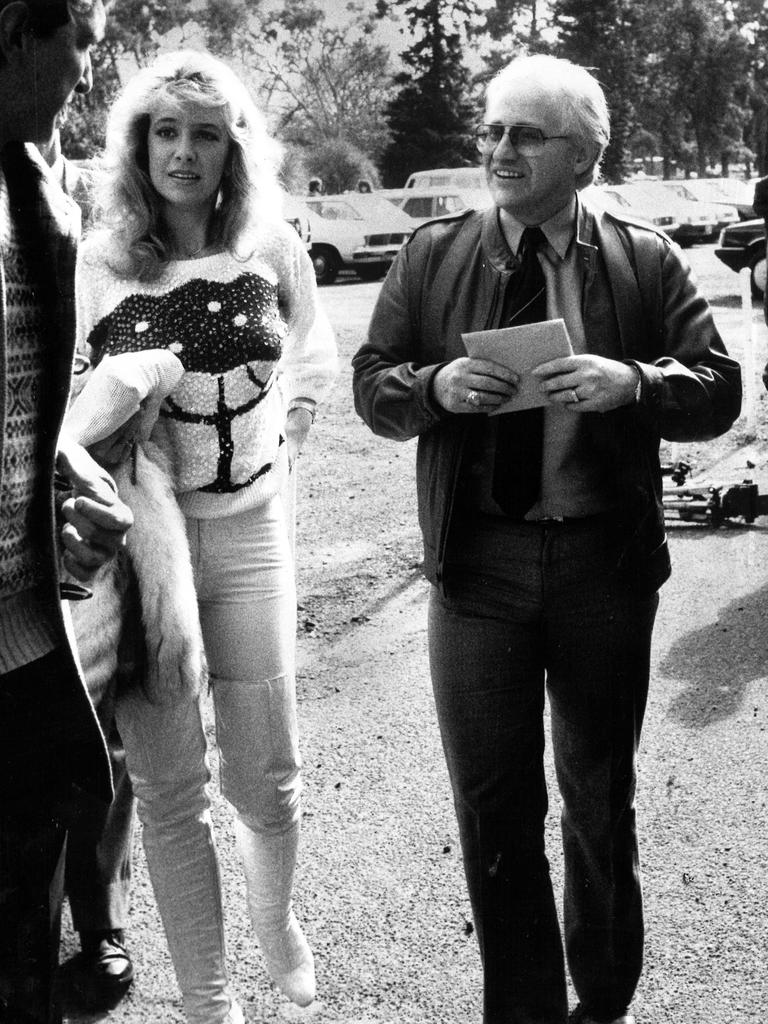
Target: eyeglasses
(525,139)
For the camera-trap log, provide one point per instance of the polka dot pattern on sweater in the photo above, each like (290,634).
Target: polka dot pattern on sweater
(212,326)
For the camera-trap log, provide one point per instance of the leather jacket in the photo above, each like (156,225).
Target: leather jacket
(639,304)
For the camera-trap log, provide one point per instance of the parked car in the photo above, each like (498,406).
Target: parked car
(440,177)
(743,245)
(357,230)
(608,198)
(725,212)
(735,191)
(698,221)
(425,204)
(296,214)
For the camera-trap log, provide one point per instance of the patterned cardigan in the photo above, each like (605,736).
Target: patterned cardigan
(51,223)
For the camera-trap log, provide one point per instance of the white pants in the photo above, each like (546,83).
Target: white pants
(246,592)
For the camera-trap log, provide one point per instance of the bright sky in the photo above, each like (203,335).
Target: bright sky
(336,10)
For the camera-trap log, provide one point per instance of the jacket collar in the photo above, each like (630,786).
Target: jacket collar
(494,244)
(559,231)
(586,239)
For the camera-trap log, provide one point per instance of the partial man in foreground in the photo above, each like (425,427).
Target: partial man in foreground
(53,761)
(543,527)
(99,861)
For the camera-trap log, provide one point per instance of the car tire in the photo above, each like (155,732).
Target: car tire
(373,272)
(757,275)
(326,263)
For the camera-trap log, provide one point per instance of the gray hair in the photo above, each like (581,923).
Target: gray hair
(577,94)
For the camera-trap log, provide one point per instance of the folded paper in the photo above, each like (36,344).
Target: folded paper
(521,349)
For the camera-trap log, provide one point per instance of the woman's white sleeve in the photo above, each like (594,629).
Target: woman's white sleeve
(309,363)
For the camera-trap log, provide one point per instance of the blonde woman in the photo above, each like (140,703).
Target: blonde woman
(198,298)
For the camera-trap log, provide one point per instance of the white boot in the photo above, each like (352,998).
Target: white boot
(269,862)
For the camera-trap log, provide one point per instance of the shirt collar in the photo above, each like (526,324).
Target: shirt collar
(558,229)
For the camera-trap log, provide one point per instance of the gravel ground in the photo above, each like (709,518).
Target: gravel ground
(380,883)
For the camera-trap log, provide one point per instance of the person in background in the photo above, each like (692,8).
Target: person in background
(53,762)
(316,187)
(99,851)
(543,528)
(364,186)
(193,290)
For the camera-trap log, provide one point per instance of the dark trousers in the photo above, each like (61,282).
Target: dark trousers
(531,605)
(40,751)
(100,855)
(99,860)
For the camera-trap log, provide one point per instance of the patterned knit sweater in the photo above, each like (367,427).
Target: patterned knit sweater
(243,331)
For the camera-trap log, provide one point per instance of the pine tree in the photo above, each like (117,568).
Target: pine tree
(605,36)
(431,116)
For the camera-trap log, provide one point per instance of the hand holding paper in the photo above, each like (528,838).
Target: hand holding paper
(588,383)
(521,349)
(467,385)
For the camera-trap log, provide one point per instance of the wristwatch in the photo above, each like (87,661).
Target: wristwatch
(304,403)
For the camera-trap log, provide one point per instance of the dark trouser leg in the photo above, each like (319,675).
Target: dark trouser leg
(31,886)
(598,642)
(100,846)
(488,680)
(38,747)
(99,856)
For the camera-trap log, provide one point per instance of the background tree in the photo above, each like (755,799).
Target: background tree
(749,16)
(339,164)
(431,117)
(512,27)
(688,78)
(324,82)
(605,35)
(697,82)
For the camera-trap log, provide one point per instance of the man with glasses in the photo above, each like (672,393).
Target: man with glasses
(53,762)
(543,528)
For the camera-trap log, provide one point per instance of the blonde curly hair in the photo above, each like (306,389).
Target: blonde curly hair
(129,209)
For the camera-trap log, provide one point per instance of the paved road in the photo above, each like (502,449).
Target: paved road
(380,881)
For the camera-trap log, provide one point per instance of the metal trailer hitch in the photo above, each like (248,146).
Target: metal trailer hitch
(710,503)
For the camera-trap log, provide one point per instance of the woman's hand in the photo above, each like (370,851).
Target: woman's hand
(115,448)
(588,383)
(297,425)
(96,519)
(473,385)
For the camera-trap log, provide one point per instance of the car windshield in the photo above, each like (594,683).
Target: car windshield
(681,191)
(333,209)
(432,205)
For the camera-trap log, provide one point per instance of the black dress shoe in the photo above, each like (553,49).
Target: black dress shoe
(104,970)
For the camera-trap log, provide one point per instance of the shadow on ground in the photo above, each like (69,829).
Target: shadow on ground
(718,661)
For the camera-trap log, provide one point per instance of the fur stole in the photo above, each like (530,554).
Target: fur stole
(157,557)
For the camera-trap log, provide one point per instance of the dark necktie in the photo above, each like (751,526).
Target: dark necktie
(517,462)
